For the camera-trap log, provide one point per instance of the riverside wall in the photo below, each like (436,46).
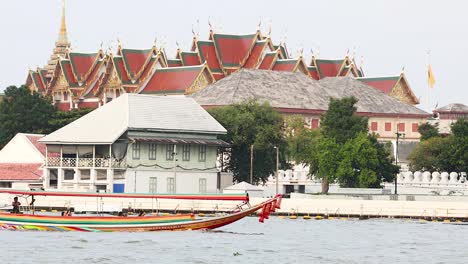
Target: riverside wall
(443,207)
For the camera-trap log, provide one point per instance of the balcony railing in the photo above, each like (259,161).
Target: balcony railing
(85,162)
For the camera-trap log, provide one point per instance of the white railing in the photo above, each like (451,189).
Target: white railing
(85,162)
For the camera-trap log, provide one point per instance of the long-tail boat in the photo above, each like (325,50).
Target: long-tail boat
(110,223)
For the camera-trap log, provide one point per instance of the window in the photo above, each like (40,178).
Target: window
(169,152)
(153,185)
(5,184)
(401,127)
(152,151)
(68,174)
(136,150)
(314,123)
(202,185)
(414,127)
(186,152)
(65,96)
(170,185)
(388,126)
(374,126)
(202,153)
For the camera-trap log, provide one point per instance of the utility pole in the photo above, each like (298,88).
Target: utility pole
(251,164)
(398,135)
(175,168)
(277,169)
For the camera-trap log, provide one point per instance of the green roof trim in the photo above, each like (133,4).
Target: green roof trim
(180,69)
(73,54)
(63,63)
(126,51)
(375,79)
(206,43)
(216,37)
(287,61)
(183,54)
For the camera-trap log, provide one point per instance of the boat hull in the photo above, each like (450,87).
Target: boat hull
(123,224)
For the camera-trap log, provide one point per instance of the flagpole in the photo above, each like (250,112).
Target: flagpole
(428,62)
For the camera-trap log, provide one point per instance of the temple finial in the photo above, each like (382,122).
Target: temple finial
(63,38)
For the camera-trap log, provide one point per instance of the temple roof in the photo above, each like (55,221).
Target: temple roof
(233,50)
(256,54)
(328,68)
(384,84)
(135,60)
(190,58)
(391,84)
(136,112)
(82,64)
(172,80)
(452,108)
(300,93)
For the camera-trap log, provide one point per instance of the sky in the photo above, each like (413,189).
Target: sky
(389,35)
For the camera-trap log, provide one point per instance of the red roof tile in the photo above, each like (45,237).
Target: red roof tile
(268,61)
(172,80)
(134,60)
(34,140)
(255,55)
(328,68)
(20,171)
(384,84)
(207,52)
(233,49)
(285,65)
(190,58)
(81,63)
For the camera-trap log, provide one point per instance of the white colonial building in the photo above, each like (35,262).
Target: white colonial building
(21,161)
(137,144)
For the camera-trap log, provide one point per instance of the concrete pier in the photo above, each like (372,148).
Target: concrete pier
(425,207)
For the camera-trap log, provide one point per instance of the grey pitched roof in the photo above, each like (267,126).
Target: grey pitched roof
(298,91)
(461,108)
(137,112)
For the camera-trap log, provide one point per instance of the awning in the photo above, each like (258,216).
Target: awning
(209,142)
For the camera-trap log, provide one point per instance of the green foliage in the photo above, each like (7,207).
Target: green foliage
(428,131)
(443,154)
(340,121)
(23,111)
(342,150)
(364,163)
(252,123)
(62,118)
(302,143)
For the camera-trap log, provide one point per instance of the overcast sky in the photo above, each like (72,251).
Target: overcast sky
(389,35)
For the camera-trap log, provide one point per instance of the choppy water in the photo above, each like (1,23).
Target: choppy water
(247,241)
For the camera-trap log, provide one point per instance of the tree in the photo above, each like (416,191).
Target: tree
(343,151)
(251,123)
(364,163)
(428,131)
(23,111)
(341,122)
(63,118)
(302,143)
(443,154)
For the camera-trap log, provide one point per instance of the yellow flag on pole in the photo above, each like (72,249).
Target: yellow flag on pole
(430,76)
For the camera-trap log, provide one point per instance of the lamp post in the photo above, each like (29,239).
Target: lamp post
(175,168)
(398,135)
(277,172)
(251,164)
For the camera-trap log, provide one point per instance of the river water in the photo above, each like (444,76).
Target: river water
(247,241)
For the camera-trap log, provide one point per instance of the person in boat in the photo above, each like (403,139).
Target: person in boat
(16,204)
(142,213)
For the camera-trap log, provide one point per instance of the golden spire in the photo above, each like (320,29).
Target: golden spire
(63,27)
